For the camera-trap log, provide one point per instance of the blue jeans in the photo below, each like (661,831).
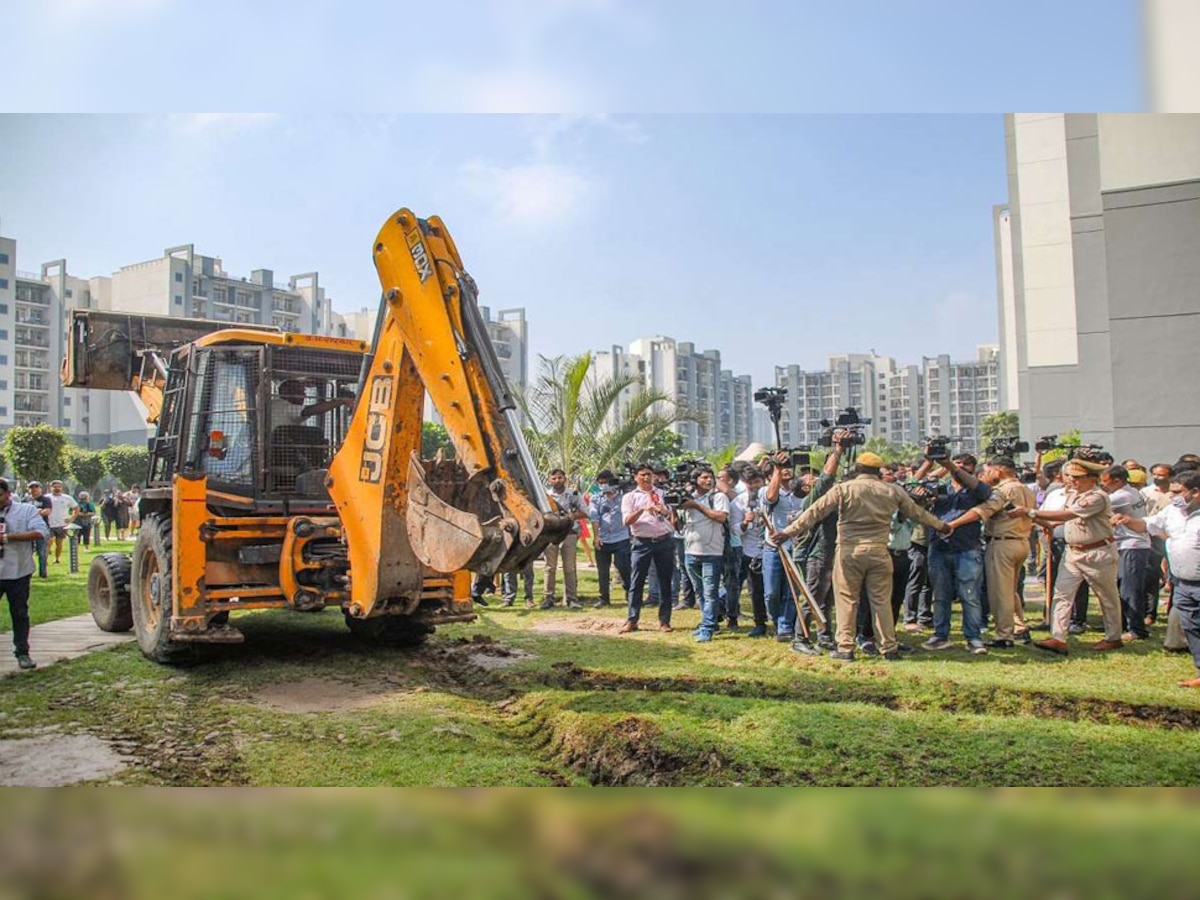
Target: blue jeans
(956,574)
(780,606)
(39,550)
(661,554)
(1186,604)
(705,574)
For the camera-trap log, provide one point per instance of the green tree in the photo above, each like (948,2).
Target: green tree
(890,452)
(999,425)
(666,449)
(86,467)
(36,451)
(435,437)
(127,463)
(573,421)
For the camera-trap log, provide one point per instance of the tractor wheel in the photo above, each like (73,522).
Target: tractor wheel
(395,631)
(150,589)
(108,592)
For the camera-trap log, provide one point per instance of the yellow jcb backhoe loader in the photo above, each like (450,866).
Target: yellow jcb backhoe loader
(285,471)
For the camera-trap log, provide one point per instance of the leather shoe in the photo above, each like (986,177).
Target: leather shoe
(1054,645)
(665,628)
(805,647)
(843,655)
(1191,683)
(25,662)
(1105,645)
(629,626)
(999,644)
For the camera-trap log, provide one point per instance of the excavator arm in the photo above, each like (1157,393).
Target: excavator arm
(486,510)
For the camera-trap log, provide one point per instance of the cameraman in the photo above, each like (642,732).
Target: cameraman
(612,535)
(651,525)
(781,505)
(815,553)
(956,562)
(865,506)
(707,513)
(745,520)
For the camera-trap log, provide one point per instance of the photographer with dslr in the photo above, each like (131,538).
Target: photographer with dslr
(865,506)
(956,562)
(706,514)
(651,524)
(612,535)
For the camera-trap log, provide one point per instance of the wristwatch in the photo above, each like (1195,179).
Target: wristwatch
(1032,513)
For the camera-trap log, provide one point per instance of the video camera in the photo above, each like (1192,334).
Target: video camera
(847,420)
(681,484)
(772,398)
(1089,452)
(1010,446)
(797,457)
(924,493)
(937,447)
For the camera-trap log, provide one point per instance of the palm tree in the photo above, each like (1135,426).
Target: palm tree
(573,422)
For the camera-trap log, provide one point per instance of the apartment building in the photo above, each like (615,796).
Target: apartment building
(509,334)
(960,395)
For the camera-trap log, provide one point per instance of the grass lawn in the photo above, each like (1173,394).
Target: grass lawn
(531,697)
(61,594)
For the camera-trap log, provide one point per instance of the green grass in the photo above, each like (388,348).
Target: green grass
(61,594)
(591,707)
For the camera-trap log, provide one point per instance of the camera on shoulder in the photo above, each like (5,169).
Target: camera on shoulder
(937,447)
(851,424)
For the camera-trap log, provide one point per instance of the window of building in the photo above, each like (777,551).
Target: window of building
(179,278)
(179,300)
(3,359)
(3,284)
(3,334)
(70,293)
(66,423)
(3,309)
(3,259)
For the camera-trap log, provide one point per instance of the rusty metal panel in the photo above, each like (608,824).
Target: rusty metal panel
(103,347)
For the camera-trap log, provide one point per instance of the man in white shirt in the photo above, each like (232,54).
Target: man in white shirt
(1133,550)
(21,525)
(704,547)
(62,506)
(1179,523)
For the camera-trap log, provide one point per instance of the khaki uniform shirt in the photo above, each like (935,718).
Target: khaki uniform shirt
(865,506)
(997,522)
(1095,522)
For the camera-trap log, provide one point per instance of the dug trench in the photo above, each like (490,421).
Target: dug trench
(538,708)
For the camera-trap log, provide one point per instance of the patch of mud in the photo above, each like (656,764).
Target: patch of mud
(460,665)
(630,753)
(320,695)
(55,760)
(585,625)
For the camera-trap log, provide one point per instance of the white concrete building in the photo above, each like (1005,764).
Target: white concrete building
(1100,235)
(960,395)
(509,333)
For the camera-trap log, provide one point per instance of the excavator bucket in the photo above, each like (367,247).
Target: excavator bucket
(444,537)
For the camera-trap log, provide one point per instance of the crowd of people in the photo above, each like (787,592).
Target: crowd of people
(35,523)
(843,559)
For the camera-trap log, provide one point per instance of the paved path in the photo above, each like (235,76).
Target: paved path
(60,640)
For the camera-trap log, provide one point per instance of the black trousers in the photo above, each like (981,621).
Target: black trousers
(918,596)
(751,571)
(17,592)
(606,554)
(900,566)
(662,554)
(1132,571)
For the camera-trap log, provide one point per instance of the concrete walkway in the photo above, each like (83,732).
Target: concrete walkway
(60,640)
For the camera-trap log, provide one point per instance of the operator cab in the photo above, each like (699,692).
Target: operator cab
(261,419)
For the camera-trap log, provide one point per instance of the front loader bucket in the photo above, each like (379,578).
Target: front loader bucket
(445,538)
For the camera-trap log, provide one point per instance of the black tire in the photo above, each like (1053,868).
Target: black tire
(394,631)
(150,591)
(108,592)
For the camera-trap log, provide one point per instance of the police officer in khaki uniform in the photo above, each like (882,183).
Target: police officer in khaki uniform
(1091,554)
(865,506)
(1007,540)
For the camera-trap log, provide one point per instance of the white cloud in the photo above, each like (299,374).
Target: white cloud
(550,130)
(68,11)
(192,124)
(542,194)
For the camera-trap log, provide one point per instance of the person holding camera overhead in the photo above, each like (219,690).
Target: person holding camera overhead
(781,504)
(956,563)
(865,506)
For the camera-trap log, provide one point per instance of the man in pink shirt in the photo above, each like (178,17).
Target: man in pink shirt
(651,526)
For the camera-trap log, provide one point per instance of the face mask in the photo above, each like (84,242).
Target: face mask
(1180,502)
(1162,483)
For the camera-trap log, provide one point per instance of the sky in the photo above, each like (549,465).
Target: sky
(813,188)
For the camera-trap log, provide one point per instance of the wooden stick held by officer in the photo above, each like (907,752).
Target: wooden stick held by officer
(865,505)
